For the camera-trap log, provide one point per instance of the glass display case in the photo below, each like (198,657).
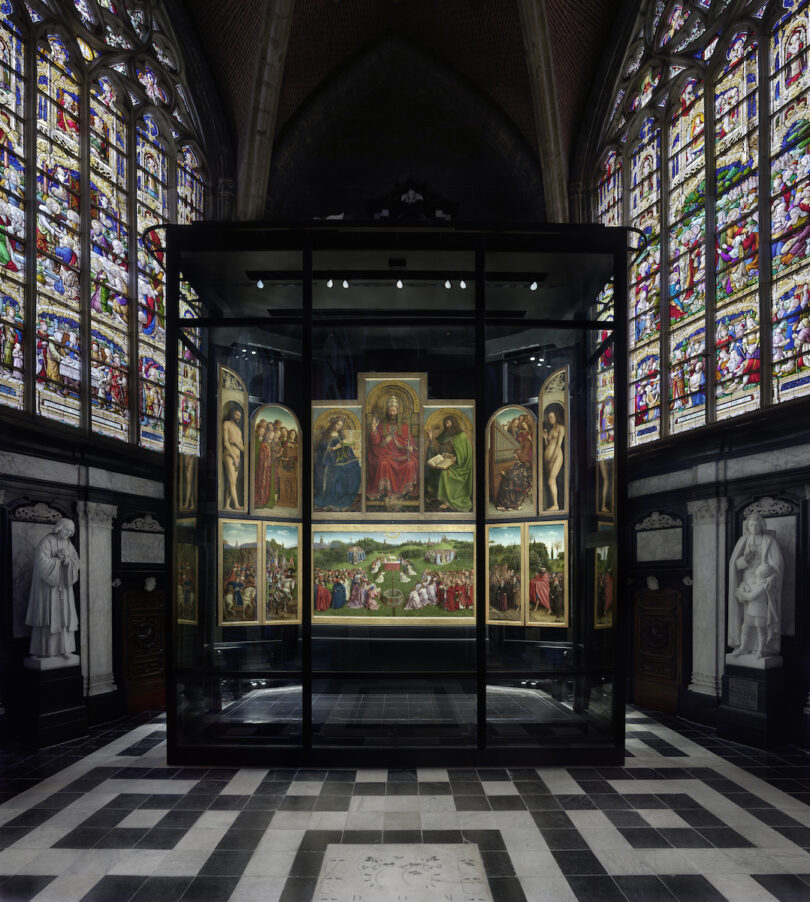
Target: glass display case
(396,481)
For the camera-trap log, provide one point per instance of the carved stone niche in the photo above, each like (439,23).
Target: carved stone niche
(142,540)
(659,537)
(30,522)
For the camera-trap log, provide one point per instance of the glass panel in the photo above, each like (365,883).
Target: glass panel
(261,711)
(550,710)
(390,713)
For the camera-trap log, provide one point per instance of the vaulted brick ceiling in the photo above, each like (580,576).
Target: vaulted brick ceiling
(482,40)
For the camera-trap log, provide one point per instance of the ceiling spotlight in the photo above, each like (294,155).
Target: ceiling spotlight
(533,286)
(447,284)
(345,284)
(531,358)
(329,283)
(462,284)
(399,283)
(253,352)
(260,284)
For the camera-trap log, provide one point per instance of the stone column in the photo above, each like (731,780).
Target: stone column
(95,579)
(708,594)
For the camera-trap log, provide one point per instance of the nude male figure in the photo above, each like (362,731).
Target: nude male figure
(232,449)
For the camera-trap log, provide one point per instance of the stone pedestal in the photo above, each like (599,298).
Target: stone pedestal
(752,710)
(48,703)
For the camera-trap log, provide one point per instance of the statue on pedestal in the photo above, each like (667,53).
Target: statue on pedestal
(755,577)
(51,606)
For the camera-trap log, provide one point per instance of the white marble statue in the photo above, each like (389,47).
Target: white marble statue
(51,606)
(755,591)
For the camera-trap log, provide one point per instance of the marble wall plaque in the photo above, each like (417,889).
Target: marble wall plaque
(141,547)
(403,872)
(659,544)
(24,540)
(743,694)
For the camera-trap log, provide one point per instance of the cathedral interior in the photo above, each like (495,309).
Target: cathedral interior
(406,307)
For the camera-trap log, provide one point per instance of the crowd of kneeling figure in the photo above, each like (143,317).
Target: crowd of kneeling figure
(352,588)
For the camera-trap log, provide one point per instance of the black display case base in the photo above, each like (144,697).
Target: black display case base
(49,705)
(752,710)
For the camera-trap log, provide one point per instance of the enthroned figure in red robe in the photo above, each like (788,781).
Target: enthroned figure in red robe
(393,456)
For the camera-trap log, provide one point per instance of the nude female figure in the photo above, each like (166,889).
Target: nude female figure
(553,437)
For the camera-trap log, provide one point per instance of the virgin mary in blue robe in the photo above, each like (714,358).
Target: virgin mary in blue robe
(337,473)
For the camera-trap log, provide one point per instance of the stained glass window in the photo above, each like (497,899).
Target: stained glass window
(736,141)
(152,212)
(790,204)
(96,308)
(59,234)
(645,283)
(692,63)
(687,260)
(12,214)
(109,263)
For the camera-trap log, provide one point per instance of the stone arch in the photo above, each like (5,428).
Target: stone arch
(395,114)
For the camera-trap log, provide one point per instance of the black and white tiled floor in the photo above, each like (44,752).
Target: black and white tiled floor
(688,817)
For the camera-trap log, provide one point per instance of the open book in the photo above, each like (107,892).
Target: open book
(441,462)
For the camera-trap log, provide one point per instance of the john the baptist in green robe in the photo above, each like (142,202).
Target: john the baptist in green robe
(452,486)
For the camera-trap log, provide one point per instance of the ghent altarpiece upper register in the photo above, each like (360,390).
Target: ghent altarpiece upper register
(397,481)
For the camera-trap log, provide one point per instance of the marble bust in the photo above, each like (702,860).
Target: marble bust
(51,605)
(756,570)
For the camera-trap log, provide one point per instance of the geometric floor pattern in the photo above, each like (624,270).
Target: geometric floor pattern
(689,817)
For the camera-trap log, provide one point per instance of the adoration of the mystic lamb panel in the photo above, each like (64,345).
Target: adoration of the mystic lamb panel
(505,575)
(554,464)
(511,462)
(392,407)
(547,561)
(275,474)
(402,575)
(337,456)
(232,442)
(449,457)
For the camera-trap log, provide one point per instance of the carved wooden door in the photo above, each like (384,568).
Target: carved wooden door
(144,649)
(658,649)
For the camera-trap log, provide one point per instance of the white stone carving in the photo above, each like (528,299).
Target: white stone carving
(37,513)
(146,523)
(411,872)
(555,383)
(97,514)
(652,583)
(768,507)
(708,510)
(656,520)
(755,574)
(51,606)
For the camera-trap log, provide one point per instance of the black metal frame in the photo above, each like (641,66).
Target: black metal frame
(555,240)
